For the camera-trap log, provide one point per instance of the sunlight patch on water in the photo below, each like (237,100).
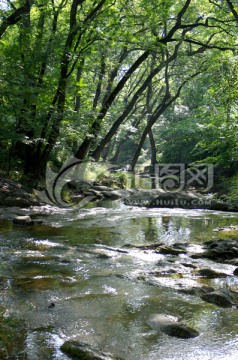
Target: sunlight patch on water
(109,290)
(146,255)
(46,243)
(29,253)
(174,283)
(52,342)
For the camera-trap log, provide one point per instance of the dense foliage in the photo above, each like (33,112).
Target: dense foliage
(121,80)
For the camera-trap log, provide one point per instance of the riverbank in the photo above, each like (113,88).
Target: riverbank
(14,194)
(157,198)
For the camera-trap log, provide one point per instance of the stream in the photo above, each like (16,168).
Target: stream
(79,276)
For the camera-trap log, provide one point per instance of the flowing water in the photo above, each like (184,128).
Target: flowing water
(104,289)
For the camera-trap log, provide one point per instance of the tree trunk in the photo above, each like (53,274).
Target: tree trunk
(114,128)
(153,158)
(96,126)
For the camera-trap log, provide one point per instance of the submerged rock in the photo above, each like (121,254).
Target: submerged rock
(12,338)
(171,326)
(83,351)
(218,298)
(197,290)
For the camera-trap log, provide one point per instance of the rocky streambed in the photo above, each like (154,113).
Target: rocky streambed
(113,281)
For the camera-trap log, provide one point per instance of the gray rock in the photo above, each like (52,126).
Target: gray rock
(83,351)
(102,188)
(171,326)
(113,195)
(158,320)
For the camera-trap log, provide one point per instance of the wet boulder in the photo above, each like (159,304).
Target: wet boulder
(219,250)
(180,330)
(83,351)
(25,221)
(210,274)
(171,326)
(169,250)
(218,298)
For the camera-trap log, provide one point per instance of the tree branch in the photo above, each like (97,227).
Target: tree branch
(207,46)
(13,18)
(233,10)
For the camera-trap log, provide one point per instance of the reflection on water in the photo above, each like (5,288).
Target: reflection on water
(82,262)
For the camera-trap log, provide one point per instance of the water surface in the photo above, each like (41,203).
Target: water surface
(104,289)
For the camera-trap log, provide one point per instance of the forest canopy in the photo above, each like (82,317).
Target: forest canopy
(119,80)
